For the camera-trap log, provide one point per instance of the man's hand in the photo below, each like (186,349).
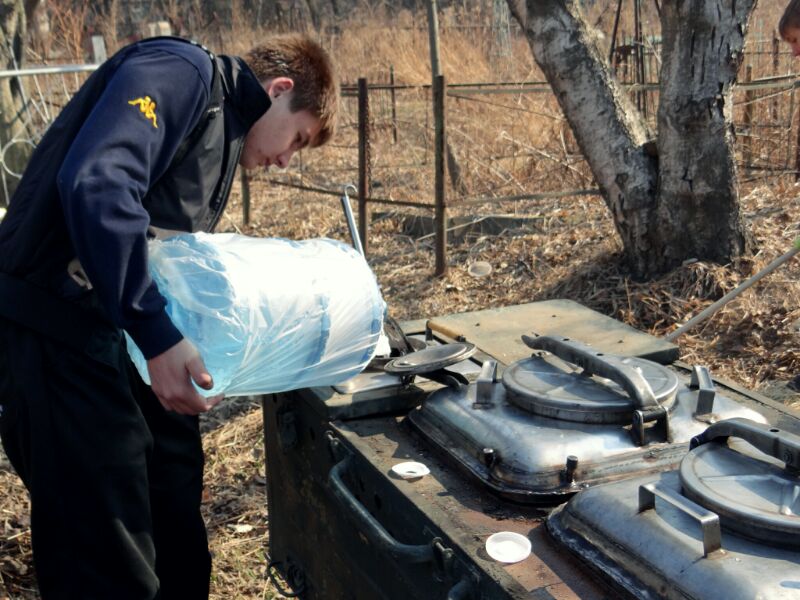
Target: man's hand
(171,375)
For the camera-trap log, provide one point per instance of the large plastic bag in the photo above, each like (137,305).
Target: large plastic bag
(268,314)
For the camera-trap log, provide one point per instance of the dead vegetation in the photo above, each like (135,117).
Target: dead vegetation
(567,248)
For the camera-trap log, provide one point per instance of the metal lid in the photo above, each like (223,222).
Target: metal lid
(754,487)
(576,383)
(430,359)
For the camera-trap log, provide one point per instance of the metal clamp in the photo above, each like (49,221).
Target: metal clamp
(709,521)
(702,382)
(661,428)
(485,390)
(369,525)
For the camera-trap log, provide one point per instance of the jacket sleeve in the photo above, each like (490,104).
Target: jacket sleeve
(151,102)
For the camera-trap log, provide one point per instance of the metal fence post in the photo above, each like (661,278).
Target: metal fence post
(394,104)
(364,166)
(747,145)
(440,210)
(775,65)
(245,180)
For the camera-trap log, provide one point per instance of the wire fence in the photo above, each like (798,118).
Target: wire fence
(531,155)
(41,92)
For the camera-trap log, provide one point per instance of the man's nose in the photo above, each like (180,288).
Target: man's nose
(284,158)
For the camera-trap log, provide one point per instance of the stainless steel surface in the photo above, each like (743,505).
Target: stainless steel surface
(376,378)
(753,493)
(368,381)
(529,454)
(576,383)
(496,331)
(657,554)
(430,359)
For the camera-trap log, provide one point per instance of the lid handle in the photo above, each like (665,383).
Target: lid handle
(593,362)
(709,521)
(770,440)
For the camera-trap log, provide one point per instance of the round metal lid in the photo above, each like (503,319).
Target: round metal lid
(753,493)
(430,359)
(551,387)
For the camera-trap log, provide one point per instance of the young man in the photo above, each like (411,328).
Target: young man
(789,26)
(152,140)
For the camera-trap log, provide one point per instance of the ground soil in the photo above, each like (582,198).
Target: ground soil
(570,252)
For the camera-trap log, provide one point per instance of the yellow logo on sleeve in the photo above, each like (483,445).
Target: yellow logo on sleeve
(148,108)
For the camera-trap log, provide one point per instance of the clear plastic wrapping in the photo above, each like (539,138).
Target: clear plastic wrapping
(268,314)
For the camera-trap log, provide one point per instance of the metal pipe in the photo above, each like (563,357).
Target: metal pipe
(440,211)
(48,70)
(364,163)
(351,222)
(733,293)
(394,103)
(245,179)
(433,39)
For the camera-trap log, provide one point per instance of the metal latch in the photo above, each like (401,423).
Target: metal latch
(287,430)
(702,382)
(660,429)
(485,391)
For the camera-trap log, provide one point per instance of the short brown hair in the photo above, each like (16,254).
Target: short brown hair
(310,67)
(790,18)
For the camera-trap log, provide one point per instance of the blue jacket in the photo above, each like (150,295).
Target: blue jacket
(141,141)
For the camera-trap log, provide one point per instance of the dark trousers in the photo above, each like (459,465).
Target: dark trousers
(115,480)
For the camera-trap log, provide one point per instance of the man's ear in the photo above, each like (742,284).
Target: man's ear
(279,85)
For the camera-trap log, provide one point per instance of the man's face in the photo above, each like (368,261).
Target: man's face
(792,37)
(279,133)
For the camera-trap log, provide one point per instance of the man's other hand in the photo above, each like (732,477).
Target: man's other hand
(171,375)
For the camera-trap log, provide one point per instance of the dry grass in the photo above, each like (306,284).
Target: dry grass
(505,145)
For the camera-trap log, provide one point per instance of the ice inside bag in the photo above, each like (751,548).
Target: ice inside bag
(268,314)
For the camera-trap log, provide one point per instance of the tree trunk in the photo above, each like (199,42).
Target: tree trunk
(641,193)
(698,214)
(13,129)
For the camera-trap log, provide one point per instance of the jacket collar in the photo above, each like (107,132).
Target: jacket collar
(243,90)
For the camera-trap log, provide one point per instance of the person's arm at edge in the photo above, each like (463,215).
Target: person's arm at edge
(114,159)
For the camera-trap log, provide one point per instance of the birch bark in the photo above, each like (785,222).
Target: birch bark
(12,123)
(674,196)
